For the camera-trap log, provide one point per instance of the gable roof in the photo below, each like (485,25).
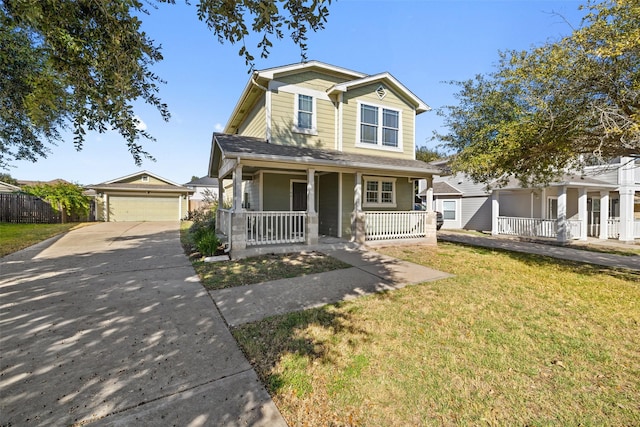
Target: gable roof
(417,103)
(5,187)
(205,181)
(250,148)
(444,189)
(260,79)
(117,184)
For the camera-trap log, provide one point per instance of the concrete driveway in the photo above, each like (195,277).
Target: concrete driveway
(109,325)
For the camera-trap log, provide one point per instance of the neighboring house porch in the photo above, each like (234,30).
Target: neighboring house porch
(603,202)
(285,195)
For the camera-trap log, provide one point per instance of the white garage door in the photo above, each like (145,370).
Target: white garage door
(143,208)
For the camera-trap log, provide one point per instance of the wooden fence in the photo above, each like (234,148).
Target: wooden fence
(27,209)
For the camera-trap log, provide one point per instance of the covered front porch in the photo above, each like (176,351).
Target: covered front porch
(566,212)
(281,197)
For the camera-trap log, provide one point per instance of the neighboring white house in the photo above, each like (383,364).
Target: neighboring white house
(205,191)
(602,202)
(5,187)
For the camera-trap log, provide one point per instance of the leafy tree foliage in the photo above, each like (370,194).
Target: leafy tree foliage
(557,106)
(80,64)
(429,155)
(63,196)
(5,177)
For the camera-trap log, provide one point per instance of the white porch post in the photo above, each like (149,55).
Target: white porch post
(311,231)
(604,215)
(429,194)
(543,203)
(237,189)
(627,193)
(582,212)
(357,218)
(238,236)
(220,194)
(562,215)
(626,214)
(495,211)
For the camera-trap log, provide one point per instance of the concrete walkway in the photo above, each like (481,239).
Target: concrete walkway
(109,325)
(631,262)
(371,273)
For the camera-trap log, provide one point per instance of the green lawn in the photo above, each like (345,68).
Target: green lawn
(511,339)
(14,237)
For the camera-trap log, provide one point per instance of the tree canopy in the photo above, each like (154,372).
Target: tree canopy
(63,196)
(81,64)
(559,106)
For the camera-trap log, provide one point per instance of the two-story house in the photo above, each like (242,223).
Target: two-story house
(314,150)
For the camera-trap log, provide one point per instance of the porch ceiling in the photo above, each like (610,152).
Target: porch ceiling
(258,153)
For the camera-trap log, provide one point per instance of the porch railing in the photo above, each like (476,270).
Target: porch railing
(275,227)
(224,218)
(536,227)
(529,227)
(613,227)
(395,225)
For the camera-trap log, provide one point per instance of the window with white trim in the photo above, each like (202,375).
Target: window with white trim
(379,126)
(449,209)
(305,118)
(379,192)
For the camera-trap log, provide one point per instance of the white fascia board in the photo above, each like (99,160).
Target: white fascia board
(270,73)
(144,172)
(420,105)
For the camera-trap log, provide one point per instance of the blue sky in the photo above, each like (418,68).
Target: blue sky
(423,43)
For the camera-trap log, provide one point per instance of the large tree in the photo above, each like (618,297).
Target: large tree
(81,64)
(556,107)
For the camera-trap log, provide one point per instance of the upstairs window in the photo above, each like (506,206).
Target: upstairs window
(304,119)
(379,127)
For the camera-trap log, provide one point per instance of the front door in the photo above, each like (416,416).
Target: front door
(298,196)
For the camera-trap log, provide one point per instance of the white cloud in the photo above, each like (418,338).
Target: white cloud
(140,125)
(218,127)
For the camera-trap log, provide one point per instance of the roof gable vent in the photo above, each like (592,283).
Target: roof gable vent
(381,91)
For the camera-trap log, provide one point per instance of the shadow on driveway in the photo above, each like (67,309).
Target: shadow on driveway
(110,324)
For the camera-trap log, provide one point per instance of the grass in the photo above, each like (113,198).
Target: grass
(264,268)
(248,271)
(14,237)
(511,339)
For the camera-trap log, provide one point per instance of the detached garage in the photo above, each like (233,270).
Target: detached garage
(142,196)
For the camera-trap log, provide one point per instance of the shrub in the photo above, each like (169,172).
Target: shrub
(203,232)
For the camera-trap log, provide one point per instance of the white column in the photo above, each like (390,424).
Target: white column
(311,191)
(429,195)
(237,189)
(543,203)
(604,215)
(582,212)
(626,180)
(495,211)
(626,214)
(357,193)
(105,207)
(220,194)
(179,207)
(562,214)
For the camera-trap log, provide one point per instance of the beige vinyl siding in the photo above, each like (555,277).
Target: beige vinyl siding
(282,116)
(351,120)
(312,80)
(255,124)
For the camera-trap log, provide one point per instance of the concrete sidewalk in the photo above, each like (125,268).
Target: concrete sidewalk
(109,325)
(631,262)
(371,273)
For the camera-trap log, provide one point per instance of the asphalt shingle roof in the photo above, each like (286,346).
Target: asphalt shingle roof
(238,145)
